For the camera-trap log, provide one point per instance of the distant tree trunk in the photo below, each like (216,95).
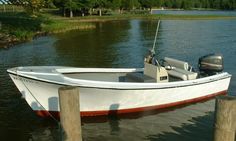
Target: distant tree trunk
(4,8)
(90,11)
(13,8)
(71,13)
(121,10)
(64,12)
(33,12)
(100,11)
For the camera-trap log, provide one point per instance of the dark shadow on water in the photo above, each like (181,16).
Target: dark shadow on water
(200,129)
(114,119)
(113,115)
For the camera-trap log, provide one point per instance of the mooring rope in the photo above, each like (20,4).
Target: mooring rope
(58,123)
(154,44)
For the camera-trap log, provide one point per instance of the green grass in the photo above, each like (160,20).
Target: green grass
(22,35)
(58,26)
(22,27)
(11,8)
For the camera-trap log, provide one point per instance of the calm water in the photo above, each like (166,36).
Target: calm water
(119,44)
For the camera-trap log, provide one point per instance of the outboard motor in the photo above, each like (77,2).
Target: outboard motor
(211,64)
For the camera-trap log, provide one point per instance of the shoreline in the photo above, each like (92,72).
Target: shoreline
(59,24)
(144,16)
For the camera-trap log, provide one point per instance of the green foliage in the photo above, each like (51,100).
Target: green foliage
(22,21)
(148,3)
(22,35)
(49,4)
(130,4)
(98,3)
(62,26)
(72,4)
(115,4)
(33,6)
(20,25)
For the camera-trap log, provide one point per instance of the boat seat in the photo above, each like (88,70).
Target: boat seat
(179,69)
(182,74)
(176,63)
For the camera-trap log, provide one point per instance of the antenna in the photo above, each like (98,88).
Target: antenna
(154,44)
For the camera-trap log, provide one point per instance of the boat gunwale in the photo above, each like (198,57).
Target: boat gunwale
(125,85)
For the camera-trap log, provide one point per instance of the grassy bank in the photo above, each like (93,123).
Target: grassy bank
(58,26)
(143,16)
(20,27)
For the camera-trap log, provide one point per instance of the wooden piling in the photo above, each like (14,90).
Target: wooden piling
(70,114)
(225,118)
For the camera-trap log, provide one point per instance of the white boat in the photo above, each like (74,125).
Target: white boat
(123,90)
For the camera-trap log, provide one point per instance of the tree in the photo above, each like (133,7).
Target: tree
(197,4)
(116,4)
(49,4)
(60,4)
(148,3)
(186,4)
(176,4)
(159,3)
(33,6)
(130,4)
(168,3)
(100,4)
(217,4)
(71,5)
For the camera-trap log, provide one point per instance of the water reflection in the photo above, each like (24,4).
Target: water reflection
(113,119)
(47,131)
(158,126)
(42,135)
(92,48)
(187,131)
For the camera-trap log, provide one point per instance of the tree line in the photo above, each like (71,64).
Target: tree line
(99,7)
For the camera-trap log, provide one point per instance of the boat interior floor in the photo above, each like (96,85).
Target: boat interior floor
(140,77)
(136,77)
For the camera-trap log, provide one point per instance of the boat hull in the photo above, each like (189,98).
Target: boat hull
(96,101)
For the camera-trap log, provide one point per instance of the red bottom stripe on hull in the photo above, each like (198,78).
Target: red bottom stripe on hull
(134,110)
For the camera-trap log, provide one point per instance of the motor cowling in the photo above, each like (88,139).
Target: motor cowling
(211,64)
